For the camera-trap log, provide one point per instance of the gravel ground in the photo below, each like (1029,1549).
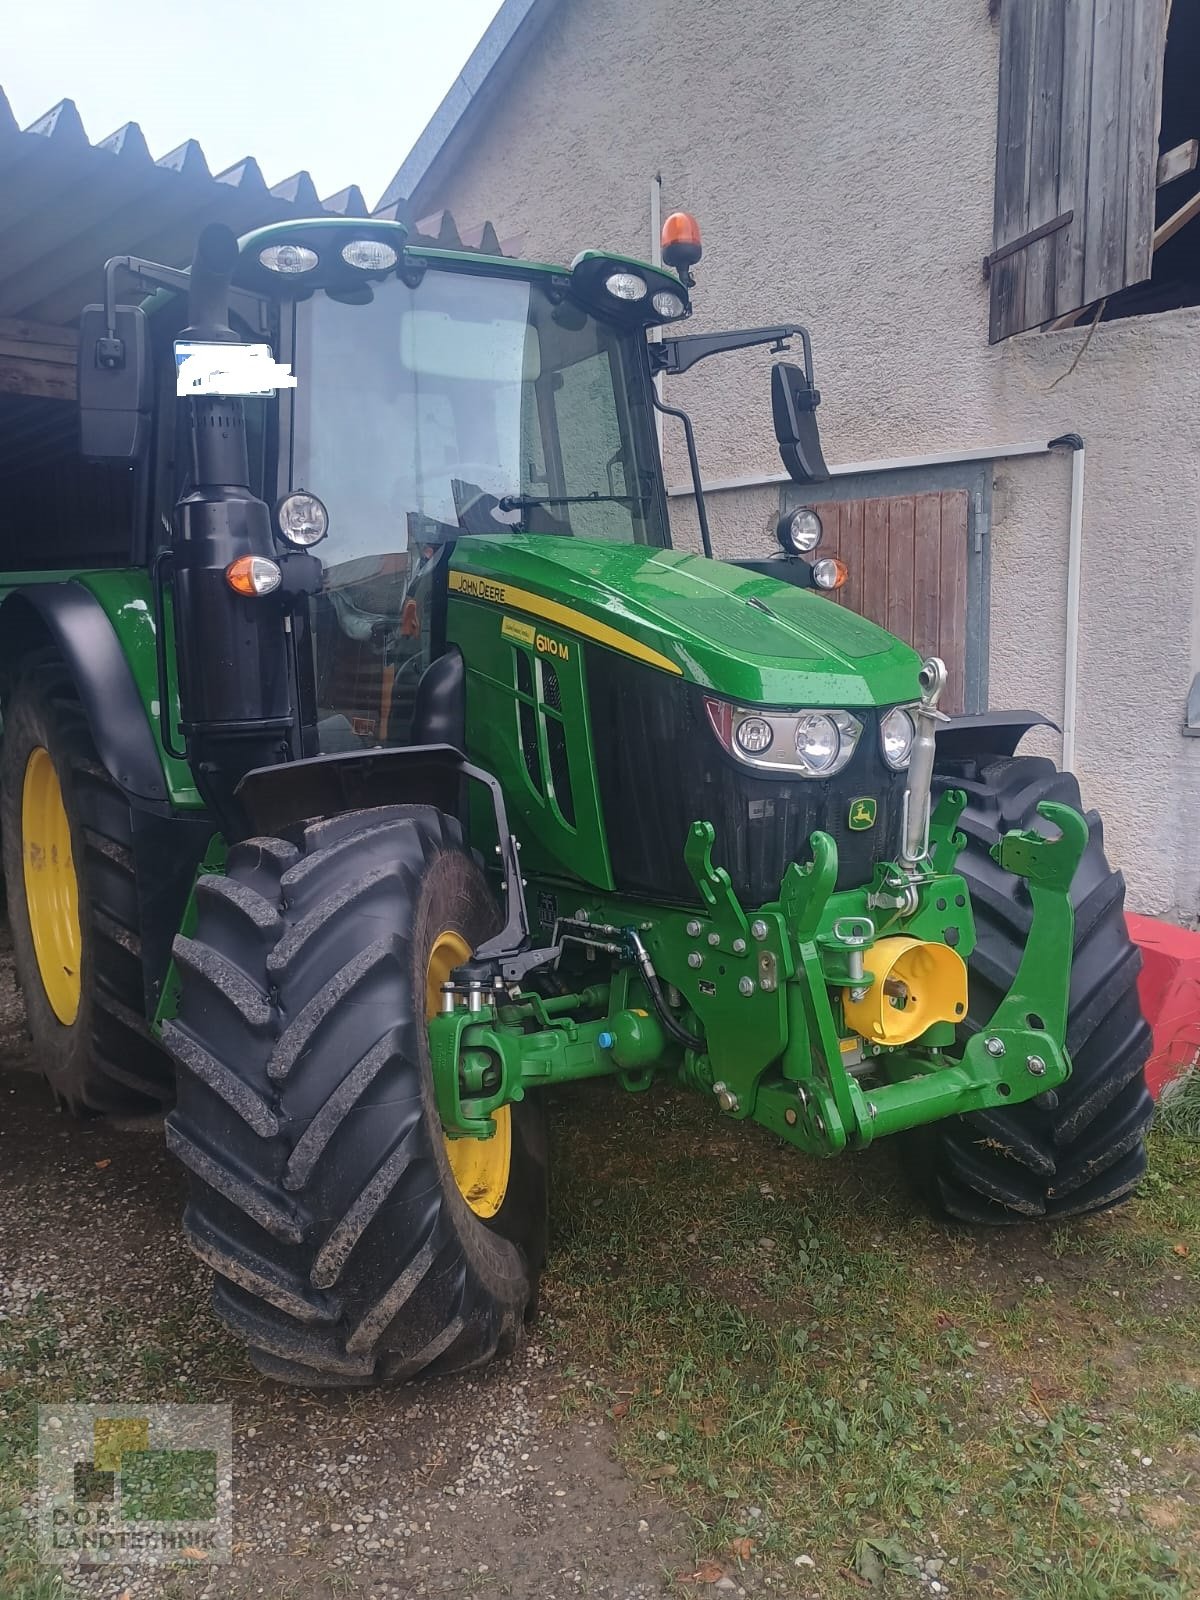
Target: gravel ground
(486,1485)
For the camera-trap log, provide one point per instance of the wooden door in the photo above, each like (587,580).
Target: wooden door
(907,561)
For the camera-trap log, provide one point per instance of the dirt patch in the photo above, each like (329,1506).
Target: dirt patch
(476,1486)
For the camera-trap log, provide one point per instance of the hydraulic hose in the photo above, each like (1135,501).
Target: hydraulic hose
(666,1016)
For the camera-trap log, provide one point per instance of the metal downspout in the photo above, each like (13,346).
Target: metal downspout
(1074,443)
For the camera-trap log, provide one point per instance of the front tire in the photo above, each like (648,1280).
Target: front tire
(322,1192)
(1083,1148)
(73,902)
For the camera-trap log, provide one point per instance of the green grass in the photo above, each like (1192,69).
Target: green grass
(820,1370)
(1179,1112)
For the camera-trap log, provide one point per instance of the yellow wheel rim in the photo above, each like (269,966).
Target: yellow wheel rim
(51,887)
(480,1166)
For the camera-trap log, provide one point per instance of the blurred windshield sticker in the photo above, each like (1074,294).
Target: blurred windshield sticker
(229,369)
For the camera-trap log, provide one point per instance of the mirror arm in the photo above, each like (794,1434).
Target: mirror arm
(679,354)
(148,276)
(693,461)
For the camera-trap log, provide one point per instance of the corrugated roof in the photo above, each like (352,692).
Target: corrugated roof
(67,205)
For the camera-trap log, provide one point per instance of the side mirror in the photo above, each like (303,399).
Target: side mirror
(116,384)
(794,402)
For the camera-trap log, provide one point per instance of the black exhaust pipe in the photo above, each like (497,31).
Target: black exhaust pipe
(234,680)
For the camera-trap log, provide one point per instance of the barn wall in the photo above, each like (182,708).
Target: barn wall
(839,154)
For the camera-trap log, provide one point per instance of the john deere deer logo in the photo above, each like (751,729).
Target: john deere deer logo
(862,815)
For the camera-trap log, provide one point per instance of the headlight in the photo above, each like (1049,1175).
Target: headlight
(302,519)
(668,304)
(817,742)
(290,258)
(807,744)
(829,573)
(753,735)
(369,255)
(896,734)
(626,286)
(800,531)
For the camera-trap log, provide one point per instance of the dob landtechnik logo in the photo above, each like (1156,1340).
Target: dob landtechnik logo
(125,1484)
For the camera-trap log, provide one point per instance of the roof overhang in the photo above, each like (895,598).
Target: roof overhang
(490,67)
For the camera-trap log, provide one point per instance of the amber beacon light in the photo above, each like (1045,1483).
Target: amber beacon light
(681,247)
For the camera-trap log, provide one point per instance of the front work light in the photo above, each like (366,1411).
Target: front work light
(799,532)
(626,286)
(369,255)
(668,304)
(290,258)
(253,575)
(302,518)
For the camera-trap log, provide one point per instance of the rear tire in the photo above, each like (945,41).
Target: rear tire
(80,970)
(321,1192)
(1083,1149)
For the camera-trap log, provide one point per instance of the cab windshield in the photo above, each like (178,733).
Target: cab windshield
(473,404)
(466,405)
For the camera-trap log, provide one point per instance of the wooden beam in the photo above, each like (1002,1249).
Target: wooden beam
(22,330)
(1173,164)
(55,355)
(40,380)
(1168,229)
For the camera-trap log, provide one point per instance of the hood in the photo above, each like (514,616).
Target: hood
(744,636)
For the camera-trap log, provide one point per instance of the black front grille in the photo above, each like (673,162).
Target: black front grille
(661,769)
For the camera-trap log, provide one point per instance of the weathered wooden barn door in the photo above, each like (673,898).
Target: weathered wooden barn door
(907,559)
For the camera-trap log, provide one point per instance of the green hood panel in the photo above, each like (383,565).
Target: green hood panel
(744,636)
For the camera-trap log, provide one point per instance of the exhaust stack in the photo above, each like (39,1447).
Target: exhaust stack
(234,679)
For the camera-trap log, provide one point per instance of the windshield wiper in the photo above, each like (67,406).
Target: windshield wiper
(528,502)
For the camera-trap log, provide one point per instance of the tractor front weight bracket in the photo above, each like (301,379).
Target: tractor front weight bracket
(769,991)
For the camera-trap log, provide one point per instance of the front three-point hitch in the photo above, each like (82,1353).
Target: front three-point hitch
(832,1017)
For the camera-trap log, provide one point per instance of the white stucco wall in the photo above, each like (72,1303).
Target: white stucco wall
(839,154)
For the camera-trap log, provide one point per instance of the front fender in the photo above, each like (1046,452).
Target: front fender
(990,733)
(71,618)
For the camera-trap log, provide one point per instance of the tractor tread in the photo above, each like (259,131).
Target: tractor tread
(247,1197)
(108,1063)
(343,1254)
(251,1107)
(1081,1149)
(224,979)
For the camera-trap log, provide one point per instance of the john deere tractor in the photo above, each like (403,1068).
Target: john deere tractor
(372,762)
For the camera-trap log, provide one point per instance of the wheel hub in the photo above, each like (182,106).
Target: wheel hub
(480,1166)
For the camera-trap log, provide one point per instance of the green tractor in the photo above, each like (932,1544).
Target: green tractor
(372,761)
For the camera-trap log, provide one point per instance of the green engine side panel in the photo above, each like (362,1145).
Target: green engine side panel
(125,596)
(512,709)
